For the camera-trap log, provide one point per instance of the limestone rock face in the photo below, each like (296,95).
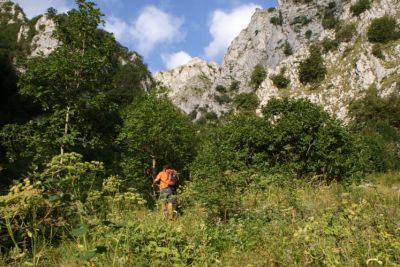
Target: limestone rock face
(37,36)
(190,84)
(43,43)
(11,12)
(352,67)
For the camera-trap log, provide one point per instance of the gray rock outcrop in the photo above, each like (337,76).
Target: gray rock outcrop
(352,67)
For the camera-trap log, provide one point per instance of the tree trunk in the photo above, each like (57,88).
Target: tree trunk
(66,126)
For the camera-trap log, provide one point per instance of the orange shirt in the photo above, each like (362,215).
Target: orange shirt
(163,178)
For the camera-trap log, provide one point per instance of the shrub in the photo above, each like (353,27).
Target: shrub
(312,69)
(247,102)
(235,85)
(277,20)
(287,49)
(220,89)
(302,20)
(329,19)
(222,98)
(377,51)
(271,9)
(308,141)
(329,44)
(44,205)
(257,76)
(383,30)
(382,141)
(193,114)
(293,136)
(308,34)
(377,120)
(360,6)
(210,116)
(344,33)
(332,5)
(280,80)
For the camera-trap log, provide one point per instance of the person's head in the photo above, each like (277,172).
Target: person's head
(167,166)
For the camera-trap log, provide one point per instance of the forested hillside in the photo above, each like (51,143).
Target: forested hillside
(83,122)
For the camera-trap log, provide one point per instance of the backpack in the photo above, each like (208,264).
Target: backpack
(172,177)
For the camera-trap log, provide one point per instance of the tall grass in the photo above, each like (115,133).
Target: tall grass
(293,223)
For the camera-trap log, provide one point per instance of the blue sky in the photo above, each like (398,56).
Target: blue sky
(168,33)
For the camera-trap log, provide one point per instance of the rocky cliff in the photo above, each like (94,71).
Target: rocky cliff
(33,36)
(278,39)
(27,38)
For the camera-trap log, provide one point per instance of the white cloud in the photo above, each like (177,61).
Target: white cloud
(34,8)
(177,59)
(119,27)
(225,26)
(154,26)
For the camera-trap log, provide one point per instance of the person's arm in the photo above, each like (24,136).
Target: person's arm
(157,179)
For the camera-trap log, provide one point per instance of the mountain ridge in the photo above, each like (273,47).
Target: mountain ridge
(351,68)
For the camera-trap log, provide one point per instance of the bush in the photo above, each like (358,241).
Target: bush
(312,69)
(45,204)
(382,141)
(277,20)
(222,98)
(257,76)
(271,9)
(329,44)
(374,107)
(307,141)
(360,6)
(383,30)
(235,85)
(220,89)
(308,34)
(332,5)
(377,119)
(293,136)
(302,20)
(329,19)
(210,116)
(344,33)
(280,80)
(377,51)
(246,102)
(287,49)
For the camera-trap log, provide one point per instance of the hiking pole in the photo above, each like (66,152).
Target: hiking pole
(153,176)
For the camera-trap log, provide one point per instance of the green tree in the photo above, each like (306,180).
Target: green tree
(257,76)
(71,86)
(154,128)
(312,69)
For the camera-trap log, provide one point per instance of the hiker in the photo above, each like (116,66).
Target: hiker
(167,180)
